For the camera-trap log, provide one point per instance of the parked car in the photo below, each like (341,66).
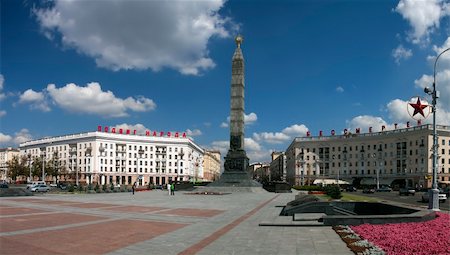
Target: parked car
(426,196)
(62,186)
(31,184)
(3,186)
(40,188)
(350,189)
(407,191)
(368,190)
(384,189)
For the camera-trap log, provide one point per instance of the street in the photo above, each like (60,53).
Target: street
(410,200)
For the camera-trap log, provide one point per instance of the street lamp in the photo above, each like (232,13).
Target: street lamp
(43,163)
(380,159)
(29,163)
(434,192)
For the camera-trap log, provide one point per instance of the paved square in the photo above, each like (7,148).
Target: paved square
(155,223)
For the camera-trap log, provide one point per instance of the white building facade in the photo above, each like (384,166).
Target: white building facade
(400,157)
(6,155)
(119,159)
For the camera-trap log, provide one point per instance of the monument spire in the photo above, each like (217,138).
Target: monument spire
(236,161)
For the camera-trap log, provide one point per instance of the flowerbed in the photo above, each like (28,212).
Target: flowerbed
(316,192)
(355,243)
(418,238)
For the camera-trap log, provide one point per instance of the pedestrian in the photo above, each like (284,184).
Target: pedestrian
(168,188)
(133,187)
(172,189)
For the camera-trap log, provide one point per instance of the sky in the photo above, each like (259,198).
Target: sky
(68,66)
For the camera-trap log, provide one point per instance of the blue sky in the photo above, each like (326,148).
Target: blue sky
(69,66)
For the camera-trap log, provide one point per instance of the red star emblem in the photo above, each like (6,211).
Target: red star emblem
(418,107)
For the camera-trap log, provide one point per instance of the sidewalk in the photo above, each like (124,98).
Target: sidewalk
(155,223)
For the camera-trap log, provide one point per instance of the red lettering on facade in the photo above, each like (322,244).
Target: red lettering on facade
(168,134)
(120,131)
(147,133)
(106,129)
(128,131)
(184,135)
(99,128)
(161,134)
(113,130)
(134,132)
(177,135)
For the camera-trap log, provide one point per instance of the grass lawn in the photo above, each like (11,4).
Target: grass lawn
(347,197)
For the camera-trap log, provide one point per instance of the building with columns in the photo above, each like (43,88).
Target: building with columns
(120,158)
(400,157)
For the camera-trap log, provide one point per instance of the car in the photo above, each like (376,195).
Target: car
(3,186)
(384,189)
(350,189)
(40,188)
(368,190)
(426,197)
(62,186)
(407,191)
(31,184)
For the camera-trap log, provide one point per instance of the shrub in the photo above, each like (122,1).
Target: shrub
(80,188)
(104,187)
(71,188)
(333,191)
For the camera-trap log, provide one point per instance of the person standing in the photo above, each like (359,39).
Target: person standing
(133,187)
(172,189)
(168,188)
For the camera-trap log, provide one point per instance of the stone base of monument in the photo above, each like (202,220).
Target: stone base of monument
(234,182)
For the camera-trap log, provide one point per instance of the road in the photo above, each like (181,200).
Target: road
(410,200)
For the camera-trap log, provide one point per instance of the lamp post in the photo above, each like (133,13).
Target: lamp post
(43,164)
(29,163)
(434,192)
(380,160)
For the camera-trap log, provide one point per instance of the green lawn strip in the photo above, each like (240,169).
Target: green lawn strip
(346,197)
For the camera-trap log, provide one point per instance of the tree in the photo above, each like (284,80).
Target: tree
(17,167)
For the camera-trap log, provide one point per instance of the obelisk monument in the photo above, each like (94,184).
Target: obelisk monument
(236,161)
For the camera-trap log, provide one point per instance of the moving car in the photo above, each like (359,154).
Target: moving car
(3,186)
(350,189)
(40,188)
(384,189)
(407,191)
(31,184)
(426,196)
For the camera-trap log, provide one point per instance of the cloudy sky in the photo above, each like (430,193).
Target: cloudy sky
(69,66)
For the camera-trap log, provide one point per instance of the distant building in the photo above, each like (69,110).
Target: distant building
(278,166)
(400,157)
(113,158)
(6,154)
(211,165)
(259,171)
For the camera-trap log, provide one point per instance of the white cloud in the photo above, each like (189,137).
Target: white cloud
(195,132)
(251,144)
(36,100)
(296,130)
(271,137)
(2,113)
(140,129)
(397,110)
(224,125)
(340,89)
(400,53)
(19,137)
(250,118)
(365,121)
(93,100)
(5,139)
(138,34)
(221,146)
(423,16)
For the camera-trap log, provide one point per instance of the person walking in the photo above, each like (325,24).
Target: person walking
(172,189)
(168,189)
(133,187)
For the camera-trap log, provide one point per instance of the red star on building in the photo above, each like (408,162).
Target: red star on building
(418,107)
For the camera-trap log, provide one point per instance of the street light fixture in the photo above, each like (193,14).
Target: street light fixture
(434,192)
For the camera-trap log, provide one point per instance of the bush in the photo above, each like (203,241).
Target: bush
(104,187)
(80,188)
(71,188)
(333,191)
(97,187)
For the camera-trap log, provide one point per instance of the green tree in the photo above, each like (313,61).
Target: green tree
(16,167)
